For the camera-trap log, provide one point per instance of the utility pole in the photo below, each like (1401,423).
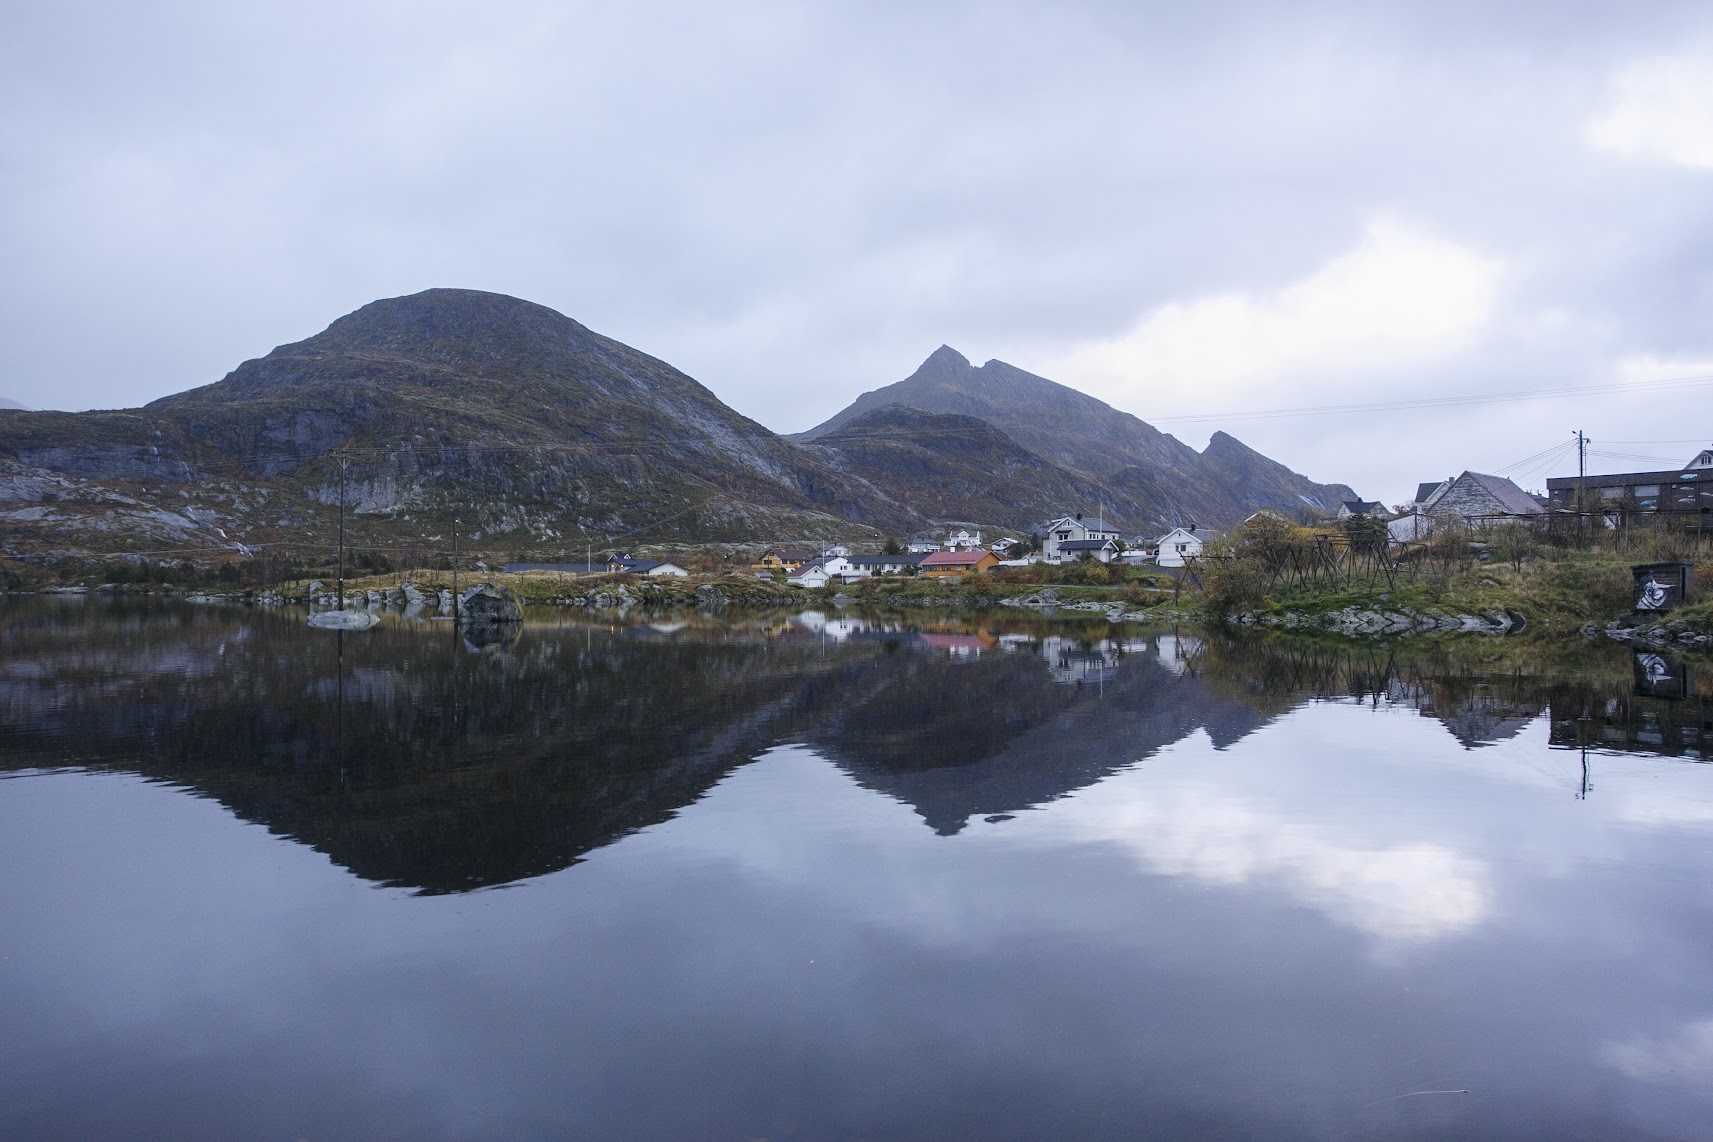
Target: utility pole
(1581,475)
(343,462)
(455,568)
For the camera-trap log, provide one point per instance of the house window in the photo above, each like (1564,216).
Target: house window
(1610,494)
(1647,497)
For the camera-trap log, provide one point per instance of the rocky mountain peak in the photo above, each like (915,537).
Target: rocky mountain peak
(464,326)
(942,363)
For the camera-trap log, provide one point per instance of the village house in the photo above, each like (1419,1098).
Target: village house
(1673,494)
(1073,529)
(884,564)
(947,564)
(1182,544)
(1476,498)
(647,567)
(1100,550)
(922,545)
(962,540)
(781,559)
(1362,509)
(820,572)
(1001,546)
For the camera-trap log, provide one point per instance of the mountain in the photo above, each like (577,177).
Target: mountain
(7,402)
(953,467)
(1177,484)
(445,403)
(542,439)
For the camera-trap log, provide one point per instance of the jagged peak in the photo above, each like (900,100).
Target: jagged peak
(1222,441)
(945,356)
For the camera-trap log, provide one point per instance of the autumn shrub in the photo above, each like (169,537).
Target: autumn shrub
(1232,584)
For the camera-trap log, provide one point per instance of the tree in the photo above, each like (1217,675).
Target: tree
(892,547)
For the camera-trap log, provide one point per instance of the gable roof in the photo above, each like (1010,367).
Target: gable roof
(955,558)
(1514,499)
(1362,506)
(882,560)
(1087,523)
(1084,544)
(1424,492)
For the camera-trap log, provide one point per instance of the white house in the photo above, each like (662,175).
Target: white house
(1100,550)
(865,565)
(1182,544)
(820,572)
(648,567)
(962,540)
(1073,529)
(922,545)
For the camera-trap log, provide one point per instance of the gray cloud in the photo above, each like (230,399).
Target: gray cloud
(797,202)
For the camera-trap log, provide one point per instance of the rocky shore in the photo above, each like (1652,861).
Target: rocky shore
(1362,622)
(1638,630)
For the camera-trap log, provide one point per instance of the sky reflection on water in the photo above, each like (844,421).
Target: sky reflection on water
(768,880)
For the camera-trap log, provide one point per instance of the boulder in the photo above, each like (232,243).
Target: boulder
(343,620)
(489,605)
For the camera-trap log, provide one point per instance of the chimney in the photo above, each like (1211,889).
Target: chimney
(1079,517)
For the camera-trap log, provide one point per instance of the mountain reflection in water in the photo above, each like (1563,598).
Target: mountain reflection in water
(417,758)
(835,875)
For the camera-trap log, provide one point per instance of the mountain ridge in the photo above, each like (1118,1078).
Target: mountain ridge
(1085,434)
(532,430)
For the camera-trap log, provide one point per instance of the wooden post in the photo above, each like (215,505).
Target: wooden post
(454,569)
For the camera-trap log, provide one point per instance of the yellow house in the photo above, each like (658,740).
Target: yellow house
(780,560)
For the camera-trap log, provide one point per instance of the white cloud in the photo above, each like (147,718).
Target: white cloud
(1401,296)
(1684,1057)
(1405,892)
(1661,108)
(1651,367)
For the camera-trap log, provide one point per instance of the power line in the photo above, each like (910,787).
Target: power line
(1440,402)
(1542,454)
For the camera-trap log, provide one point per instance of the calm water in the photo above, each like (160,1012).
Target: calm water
(819,877)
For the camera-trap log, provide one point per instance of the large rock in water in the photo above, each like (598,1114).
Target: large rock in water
(489,605)
(343,620)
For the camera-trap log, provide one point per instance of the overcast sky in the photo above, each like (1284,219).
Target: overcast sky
(1182,209)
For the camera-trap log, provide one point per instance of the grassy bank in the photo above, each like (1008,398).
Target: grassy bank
(1265,574)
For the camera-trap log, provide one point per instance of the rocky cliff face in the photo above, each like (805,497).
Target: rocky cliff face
(1170,481)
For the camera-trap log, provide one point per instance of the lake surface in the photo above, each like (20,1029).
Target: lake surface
(825,876)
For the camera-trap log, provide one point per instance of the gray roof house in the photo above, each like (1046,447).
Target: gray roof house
(1474,495)
(1366,509)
